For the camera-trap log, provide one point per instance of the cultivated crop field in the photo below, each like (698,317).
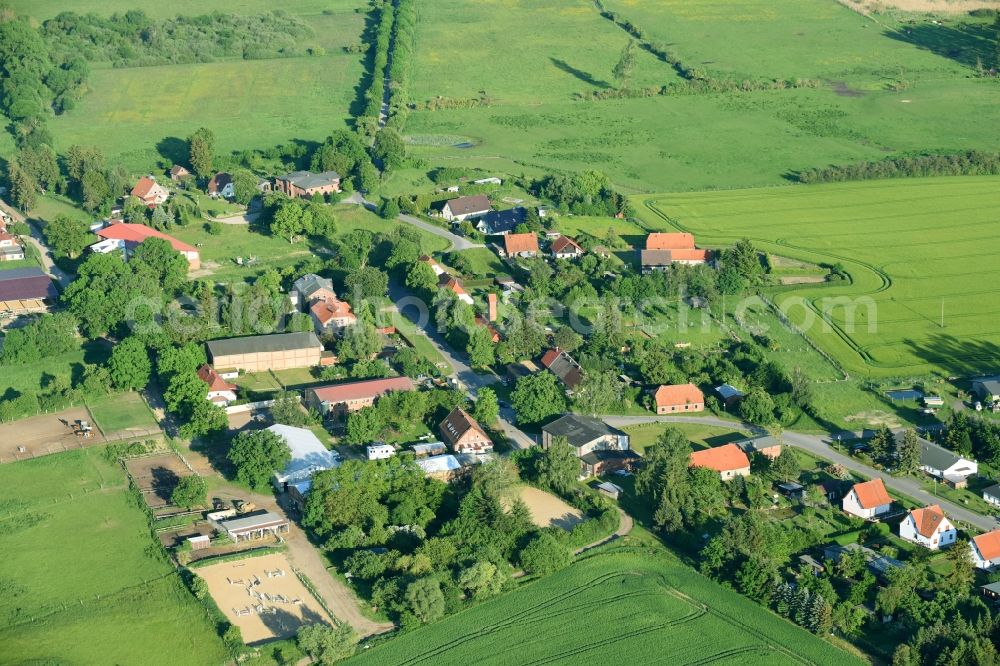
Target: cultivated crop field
(80,565)
(915,248)
(651,608)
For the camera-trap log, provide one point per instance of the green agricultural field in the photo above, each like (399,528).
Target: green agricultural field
(121,411)
(246,103)
(80,565)
(914,250)
(46,9)
(789,39)
(651,608)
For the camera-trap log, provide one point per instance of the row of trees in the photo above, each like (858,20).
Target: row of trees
(584,193)
(969,163)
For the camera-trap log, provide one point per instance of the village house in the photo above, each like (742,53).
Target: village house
(435,266)
(308,184)
(767,445)
(987,390)
(149,192)
(500,222)
(220,391)
(221,185)
(260,353)
(337,399)
(928,527)
(178,173)
(483,322)
(454,285)
(674,398)
(520,245)
(331,315)
(665,249)
(943,464)
(310,287)
(562,365)
(126,237)
(463,434)
(565,247)
(728,460)
(879,565)
(986,550)
(992,494)
(465,208)
(308,456)
(867,500)
(600,448)
(10,249)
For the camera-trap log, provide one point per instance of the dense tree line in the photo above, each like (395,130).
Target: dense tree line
(969,163)
(368,122)
(403,40)
(133,39)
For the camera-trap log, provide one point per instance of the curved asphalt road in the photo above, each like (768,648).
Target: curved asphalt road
(820,446)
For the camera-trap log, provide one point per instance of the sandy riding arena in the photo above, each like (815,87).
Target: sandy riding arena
(262,596)
(547,510)
(44,434)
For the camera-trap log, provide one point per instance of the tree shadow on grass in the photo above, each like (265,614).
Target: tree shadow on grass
(965,43)
(586,77)
(958,357)
(173,148)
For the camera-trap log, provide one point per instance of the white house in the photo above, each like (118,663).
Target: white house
(380,451)
(220,391)
(928,527)
(464,208)
(943,464)
(992,494)
(308,456)
(986,550)
(867,500)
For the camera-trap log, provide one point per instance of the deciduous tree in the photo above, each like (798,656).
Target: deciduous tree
(256,455)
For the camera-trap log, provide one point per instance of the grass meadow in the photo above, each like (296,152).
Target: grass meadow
(21,377)
(46,9)
(80,567)
(121,412)
(916,248)
(649,604)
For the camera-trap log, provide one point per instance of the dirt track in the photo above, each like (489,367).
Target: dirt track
(932,6)
(45,434)
(231,588)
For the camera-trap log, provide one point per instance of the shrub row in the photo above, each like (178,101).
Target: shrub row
(368,121)
(404,29)
(969,163)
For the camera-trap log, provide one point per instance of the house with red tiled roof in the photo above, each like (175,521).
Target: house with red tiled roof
(454,285)
(986,550)
(678,399)
(352,396)
(125,236)
(149,192)
(728,460)
(867,500)
(330,314)
(563,366)
(663,250)
(520,245)
(430,261)
(220,391)
(488,325)
(565,247)
(10,249)
(463,434)
(928,527)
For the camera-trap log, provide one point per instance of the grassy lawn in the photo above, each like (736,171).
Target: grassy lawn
(912,248)
(646,598)
(50,610)
(485,263)
(420,342)
(35,376)
(121,412)
(702,436)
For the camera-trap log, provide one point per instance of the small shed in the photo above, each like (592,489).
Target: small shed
(991,591)
(200,542)
(610,489)
(791,489)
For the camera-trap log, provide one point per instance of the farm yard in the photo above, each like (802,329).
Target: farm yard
(69,600)
(235,584)
(898,241)
(648,604)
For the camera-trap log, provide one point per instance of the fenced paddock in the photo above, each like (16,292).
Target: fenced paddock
(157,475)
(44,434)
(262,596)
